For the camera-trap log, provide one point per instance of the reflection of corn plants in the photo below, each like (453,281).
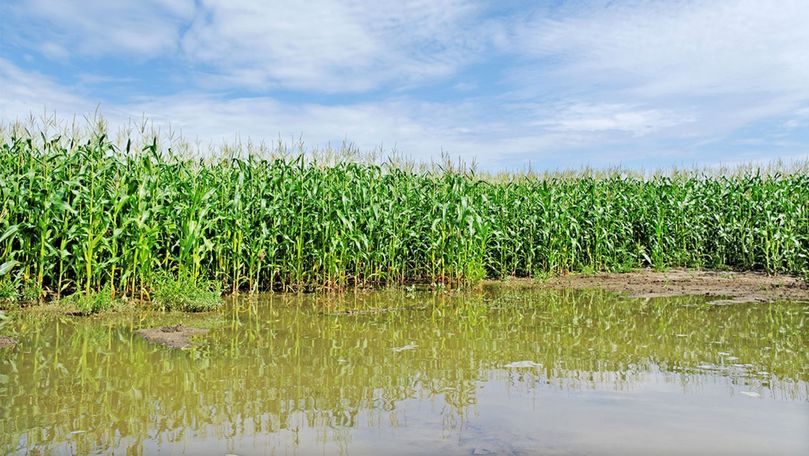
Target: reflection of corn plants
(77,216)
(338,358)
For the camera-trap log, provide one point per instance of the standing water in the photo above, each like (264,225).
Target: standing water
(492,372)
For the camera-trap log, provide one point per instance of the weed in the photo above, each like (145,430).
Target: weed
(8,291)
(185,294)
(93,302)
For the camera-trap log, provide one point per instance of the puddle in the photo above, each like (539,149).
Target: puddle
(496,372)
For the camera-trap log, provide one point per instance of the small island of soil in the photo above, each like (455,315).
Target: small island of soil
(177,336)
(6,342)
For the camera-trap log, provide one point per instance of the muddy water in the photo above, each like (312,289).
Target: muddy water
(492,372)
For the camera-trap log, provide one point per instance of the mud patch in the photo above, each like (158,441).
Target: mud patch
(725,286)
(6,342)
(177,336)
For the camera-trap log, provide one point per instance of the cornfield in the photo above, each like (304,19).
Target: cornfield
(82,216)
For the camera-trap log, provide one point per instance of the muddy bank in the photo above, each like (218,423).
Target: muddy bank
(727,287)
(7,342)
(178,336)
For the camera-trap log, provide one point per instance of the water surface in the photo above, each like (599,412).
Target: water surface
(393,372)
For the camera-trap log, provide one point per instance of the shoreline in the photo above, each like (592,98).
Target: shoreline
(728,287)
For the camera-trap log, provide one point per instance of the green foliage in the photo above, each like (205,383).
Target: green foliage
(93,302)
(80,216)
(186,294)
(8,291)
(30,291)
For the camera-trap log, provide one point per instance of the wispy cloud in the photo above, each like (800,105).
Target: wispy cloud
(725,64)
(60,28)
(661,48)
(328,45)
(26,92)
(596,118)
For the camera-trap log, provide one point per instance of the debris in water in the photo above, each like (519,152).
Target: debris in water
(410,346)
(522,365)
(751,393)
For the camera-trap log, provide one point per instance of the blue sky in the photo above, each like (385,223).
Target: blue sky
(557,84)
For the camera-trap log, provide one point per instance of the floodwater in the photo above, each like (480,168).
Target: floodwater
(396,372)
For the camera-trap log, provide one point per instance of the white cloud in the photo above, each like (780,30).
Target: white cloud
(581,117)
(799,119)
(59,28)
(329,45)
(693,47)
(27,93)
(318,45)
(697,70)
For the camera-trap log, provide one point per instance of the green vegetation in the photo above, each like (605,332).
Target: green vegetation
(186,294)
(8,292)
(93,302)
(82,215)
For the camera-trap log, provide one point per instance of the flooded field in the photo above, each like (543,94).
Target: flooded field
(394,372)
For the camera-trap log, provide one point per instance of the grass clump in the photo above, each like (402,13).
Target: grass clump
(186,294)
(30,291)
(93,302)
(19,291)
(8,292)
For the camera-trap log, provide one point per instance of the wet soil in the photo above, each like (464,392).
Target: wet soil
(727,287)
(6,342)
(178,336)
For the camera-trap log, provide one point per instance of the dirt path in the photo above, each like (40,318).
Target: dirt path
(178,336)
(727,287)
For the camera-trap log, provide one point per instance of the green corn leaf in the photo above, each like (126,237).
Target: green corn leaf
(7,266)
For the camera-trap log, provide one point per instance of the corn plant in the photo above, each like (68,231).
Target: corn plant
(90,215)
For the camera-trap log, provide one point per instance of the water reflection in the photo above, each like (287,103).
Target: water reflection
(289,372)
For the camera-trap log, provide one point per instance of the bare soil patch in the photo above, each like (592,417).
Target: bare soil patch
(6,342)
(178,336)
(726,286)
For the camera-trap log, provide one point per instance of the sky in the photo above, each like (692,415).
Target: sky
(508,84)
